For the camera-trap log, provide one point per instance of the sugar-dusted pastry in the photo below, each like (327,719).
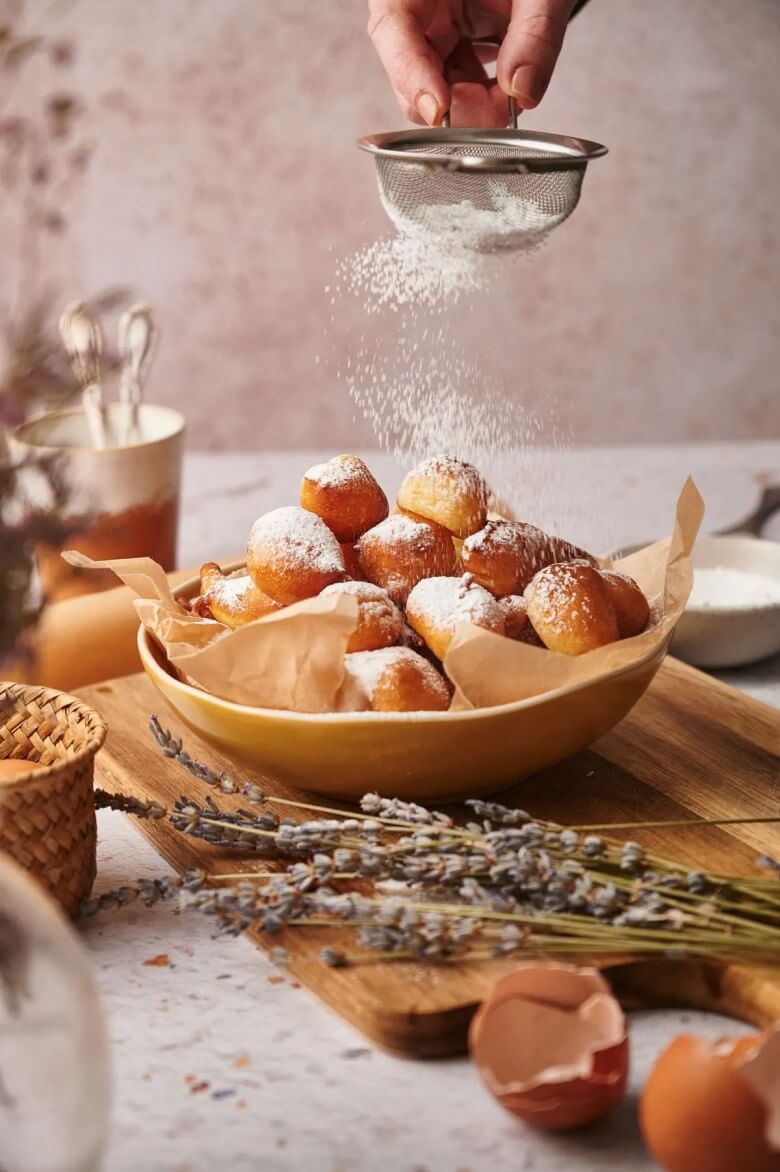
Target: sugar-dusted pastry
(447,491)
(437,605)
(401,550)
(380,622)
(351,562)
(410,638)
(570,608)
(633,609)
(231,599)
(515,615)
(292,554)
(397,679)
(345,494)
(505,555)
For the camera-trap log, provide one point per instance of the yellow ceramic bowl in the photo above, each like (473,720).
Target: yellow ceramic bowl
(428,755)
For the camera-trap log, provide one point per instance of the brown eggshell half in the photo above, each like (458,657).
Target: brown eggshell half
(698,1112)
(550,1043)
(761,1070)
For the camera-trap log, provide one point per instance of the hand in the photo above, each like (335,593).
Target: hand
(416,39)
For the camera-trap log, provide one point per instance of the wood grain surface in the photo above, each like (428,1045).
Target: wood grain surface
(692,747)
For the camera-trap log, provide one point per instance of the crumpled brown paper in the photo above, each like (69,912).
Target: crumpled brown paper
(294,659)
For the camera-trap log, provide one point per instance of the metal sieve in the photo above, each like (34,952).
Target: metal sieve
(485,190)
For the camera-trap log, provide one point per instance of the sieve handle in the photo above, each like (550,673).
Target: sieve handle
(511,125)
(493,43)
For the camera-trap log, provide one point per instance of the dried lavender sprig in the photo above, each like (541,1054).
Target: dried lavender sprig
(129,805)
(492,812)
(173,748)
(430,931)
(242,828)
(676,822)
(486,856)
(286,901)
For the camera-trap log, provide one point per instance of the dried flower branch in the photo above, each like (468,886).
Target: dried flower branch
(410,883)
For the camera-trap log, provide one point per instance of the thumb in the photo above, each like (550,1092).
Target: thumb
(530,48)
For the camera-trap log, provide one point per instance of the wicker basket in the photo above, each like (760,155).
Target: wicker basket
(47,820)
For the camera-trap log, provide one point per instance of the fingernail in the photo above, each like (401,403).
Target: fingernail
(525,85)
(428,109)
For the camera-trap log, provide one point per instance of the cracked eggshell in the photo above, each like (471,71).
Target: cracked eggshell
(761,1070)
(715,1106)
(550,1043)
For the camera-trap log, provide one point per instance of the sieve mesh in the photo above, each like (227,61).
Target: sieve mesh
(480,200)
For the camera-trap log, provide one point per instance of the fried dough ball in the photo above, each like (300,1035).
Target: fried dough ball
(397,679)
(447,491)
(437,605)
(351,563)
(570,608)
(345,495)
(292,554)
(528,635)
(631,606)
(515,615)
(231,600)
(400,551)
(505,555)
(380,622)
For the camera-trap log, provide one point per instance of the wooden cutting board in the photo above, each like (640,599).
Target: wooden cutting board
(691,747)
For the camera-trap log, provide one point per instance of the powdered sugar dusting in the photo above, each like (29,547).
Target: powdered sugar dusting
(368,667)
(340,472)
(509,223)
(495,534)
(408,372)
(377,608)
(558,591)
(399,529)
(722,587)
(445,602)
(462,479)
(231,591)
(298,537)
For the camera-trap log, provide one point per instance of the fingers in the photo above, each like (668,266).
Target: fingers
(413,67)
(530,49)
(478,105)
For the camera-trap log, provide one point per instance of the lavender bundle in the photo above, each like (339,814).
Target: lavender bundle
(410,883)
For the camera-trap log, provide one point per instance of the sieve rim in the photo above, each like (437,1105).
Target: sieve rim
(566,153)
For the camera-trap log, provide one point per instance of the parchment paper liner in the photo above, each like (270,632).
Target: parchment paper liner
(294,659)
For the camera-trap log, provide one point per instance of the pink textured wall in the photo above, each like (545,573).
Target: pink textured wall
(225,185)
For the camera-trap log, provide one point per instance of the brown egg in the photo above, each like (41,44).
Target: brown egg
(550,1043)
(707,1106)
(10,768)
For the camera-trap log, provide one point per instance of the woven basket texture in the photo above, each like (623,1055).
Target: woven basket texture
(47,819)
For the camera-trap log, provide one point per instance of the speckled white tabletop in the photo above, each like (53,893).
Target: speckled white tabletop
(223,1061)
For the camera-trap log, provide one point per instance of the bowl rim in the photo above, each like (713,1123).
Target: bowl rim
(152,666)
(745,539)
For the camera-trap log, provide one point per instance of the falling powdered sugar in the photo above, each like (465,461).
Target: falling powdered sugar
(443,254)
(409,372)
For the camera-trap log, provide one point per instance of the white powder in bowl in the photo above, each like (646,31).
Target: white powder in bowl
(723,588)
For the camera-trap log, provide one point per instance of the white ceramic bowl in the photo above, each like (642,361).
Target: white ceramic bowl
(731,635)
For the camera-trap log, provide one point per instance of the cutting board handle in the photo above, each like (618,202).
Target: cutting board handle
(750,994)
